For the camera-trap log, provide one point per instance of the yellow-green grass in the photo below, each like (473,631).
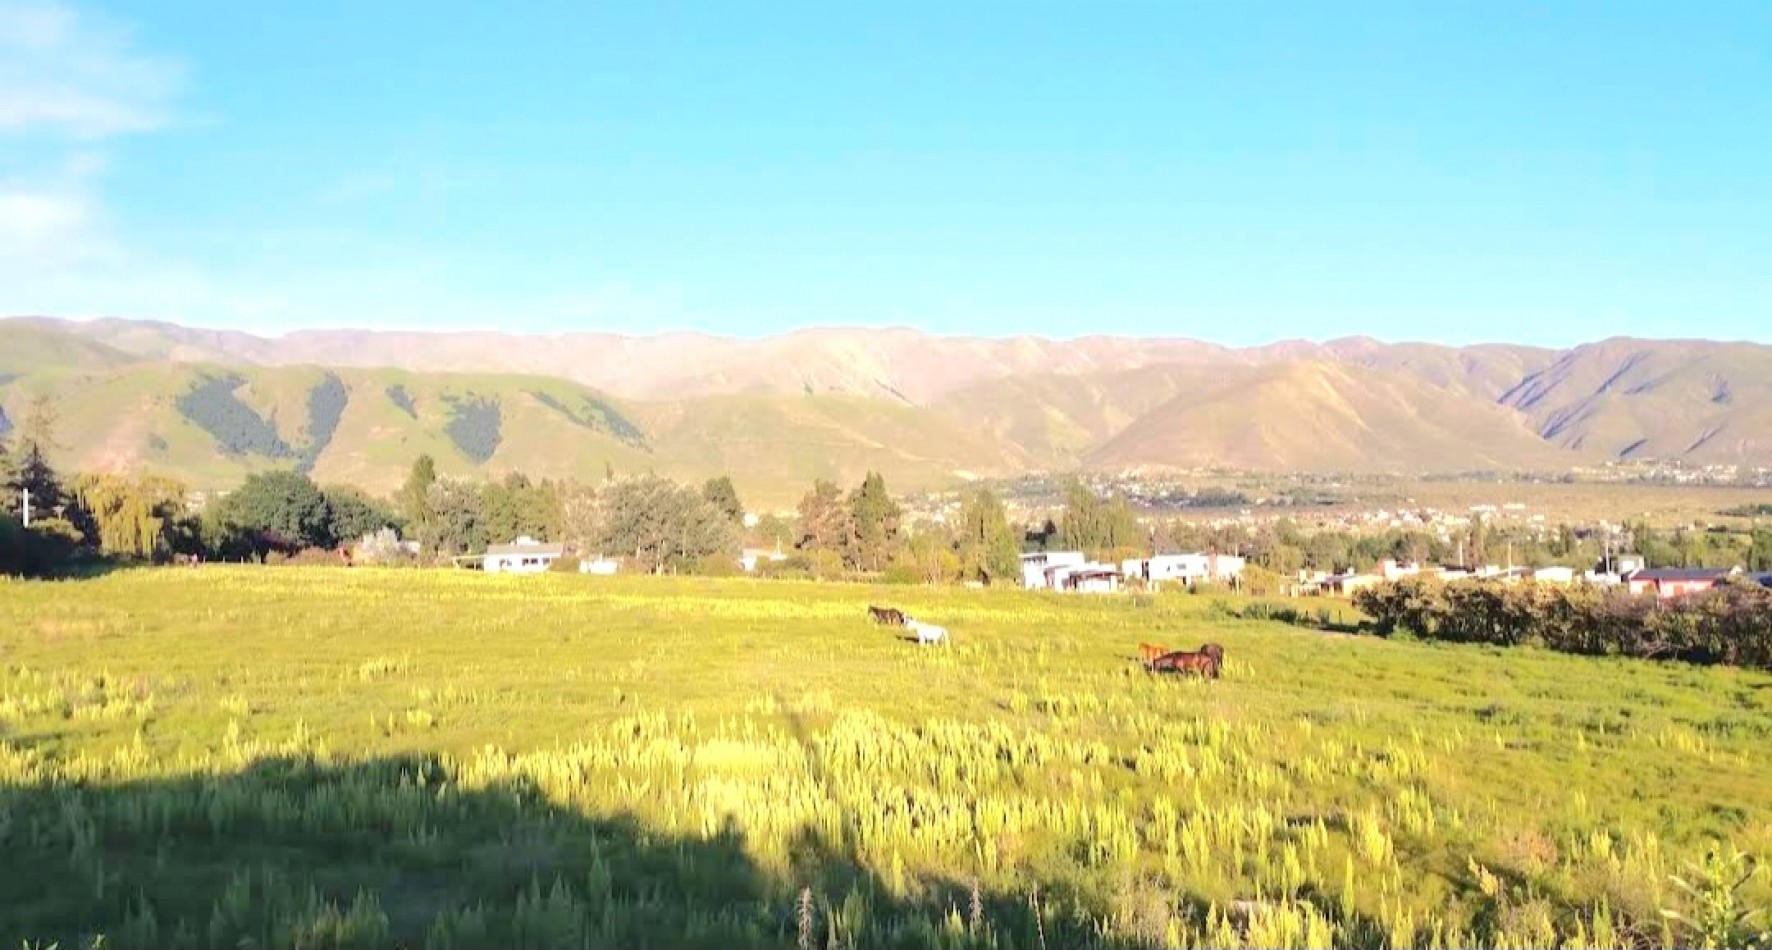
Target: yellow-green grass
(288,756)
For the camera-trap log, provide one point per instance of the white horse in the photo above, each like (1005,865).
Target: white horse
(927,632)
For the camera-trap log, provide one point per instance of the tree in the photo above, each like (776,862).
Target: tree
(874,517)
(352,514)
(132,517)
(1327,551)
(1097,526)
(660,524)
(720,493)
(458,524)
(988,548)
(414,499)
(578,516)
(929,557)
(1082,525)
(287,507)
(1759,555)
(27,465)
(774,529)
(1282,558)
(824,521)
(518,507)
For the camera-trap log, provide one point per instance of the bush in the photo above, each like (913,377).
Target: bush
(795,567)
(1731,624)
(566,564)
(12,545)
(50,545)
(716,565)
(904,574)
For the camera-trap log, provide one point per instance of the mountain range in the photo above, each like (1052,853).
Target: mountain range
(356,405)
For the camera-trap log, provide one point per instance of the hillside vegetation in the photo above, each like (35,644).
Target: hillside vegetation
(289,756)
(212,406)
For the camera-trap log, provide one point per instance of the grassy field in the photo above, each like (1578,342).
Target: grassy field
(318,757)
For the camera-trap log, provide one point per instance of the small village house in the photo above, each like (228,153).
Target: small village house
(1671,582)
(1187,569)
(522,556)
(1036,564)
(749,558)
(1091,579)
(599,565)
(1346,585)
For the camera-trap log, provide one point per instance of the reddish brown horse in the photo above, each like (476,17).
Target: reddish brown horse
(1203,662)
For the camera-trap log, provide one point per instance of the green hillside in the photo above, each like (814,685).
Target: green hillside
(213,406)
(27,347)
(774,446)
(213,425)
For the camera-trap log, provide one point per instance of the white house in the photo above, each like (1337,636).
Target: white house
(1554,575)
(1184,568)
(522,556)
(1091,579)
(749,558)
(599,565)
(1390,570)
(1036,565)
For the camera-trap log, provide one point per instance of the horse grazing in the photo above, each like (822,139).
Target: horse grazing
(891,616)
(928,632)
(1200,662)
(1150,651)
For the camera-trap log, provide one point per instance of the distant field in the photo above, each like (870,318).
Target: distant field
(1660,505)
(1663,506)
(319,757)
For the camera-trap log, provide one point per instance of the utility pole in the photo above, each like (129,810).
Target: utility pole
(25,495)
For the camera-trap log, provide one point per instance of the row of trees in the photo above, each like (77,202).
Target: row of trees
(148,517)
(1731,624)
(1285,547)
(660,524)
(863,532)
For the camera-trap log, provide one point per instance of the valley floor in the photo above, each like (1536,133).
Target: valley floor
(318,757)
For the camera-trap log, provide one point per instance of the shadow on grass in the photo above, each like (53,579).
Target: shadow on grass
(391,852)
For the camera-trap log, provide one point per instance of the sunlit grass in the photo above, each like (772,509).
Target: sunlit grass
(330,757)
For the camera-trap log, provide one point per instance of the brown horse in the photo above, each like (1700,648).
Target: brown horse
(1150,651)
(891,616)
(1199,662)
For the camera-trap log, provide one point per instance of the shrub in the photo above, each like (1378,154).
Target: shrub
(475,426)
(1731,624)
(715,565)
(236,428)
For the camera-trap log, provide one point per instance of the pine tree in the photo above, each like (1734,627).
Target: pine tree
(415,501)
(722,495)
(824,522)
(29,468)
(874,516)
(988,548)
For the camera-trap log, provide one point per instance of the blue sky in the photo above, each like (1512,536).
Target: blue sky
(1237,172)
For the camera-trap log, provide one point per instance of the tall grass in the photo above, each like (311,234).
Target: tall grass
(326,758)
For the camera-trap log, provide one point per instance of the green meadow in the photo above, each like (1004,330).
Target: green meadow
(315,757)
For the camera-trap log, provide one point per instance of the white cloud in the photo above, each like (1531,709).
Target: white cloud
(69,81)
(78,74)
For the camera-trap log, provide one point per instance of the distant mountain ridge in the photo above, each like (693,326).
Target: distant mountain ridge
(833,402)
